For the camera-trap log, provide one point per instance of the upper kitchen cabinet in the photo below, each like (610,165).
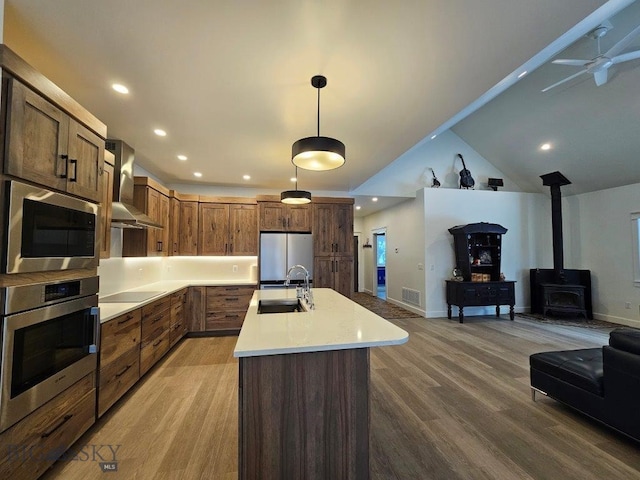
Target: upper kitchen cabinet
(228,228)
(49,138)
(105,204)
(333,227)
(183,224)
(279,217)
(152,199)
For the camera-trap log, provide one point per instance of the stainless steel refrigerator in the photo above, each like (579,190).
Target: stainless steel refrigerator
(279,252)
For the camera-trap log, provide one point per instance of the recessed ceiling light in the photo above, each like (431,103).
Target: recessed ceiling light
(247,177)
(120,88)
(545,146)
(197,174)
(293,179)
(374,199)
(522,74)
(433,136)
(160,132)
(182,157)
(358,207)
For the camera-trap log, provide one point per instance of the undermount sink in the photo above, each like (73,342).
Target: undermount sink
(288,305)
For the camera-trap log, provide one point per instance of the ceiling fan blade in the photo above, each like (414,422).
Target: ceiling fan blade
(573,62)
(622,44)
(601,76)
(625,57)
(570,77)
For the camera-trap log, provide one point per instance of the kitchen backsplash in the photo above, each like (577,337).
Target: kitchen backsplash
(118,274)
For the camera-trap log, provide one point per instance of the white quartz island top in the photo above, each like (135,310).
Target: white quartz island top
(336,323)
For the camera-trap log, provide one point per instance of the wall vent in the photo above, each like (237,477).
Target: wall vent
(411,296)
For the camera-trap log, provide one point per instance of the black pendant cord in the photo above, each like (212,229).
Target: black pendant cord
(318,112)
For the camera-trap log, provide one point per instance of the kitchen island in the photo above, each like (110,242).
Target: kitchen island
(304,387)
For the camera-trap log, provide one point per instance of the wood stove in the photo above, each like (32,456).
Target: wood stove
(559,290)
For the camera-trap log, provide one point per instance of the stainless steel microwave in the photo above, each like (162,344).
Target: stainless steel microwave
(45,231)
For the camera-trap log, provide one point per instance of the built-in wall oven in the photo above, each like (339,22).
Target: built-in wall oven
(46,231)
(50,337)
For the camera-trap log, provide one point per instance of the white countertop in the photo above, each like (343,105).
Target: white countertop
(337,323)
(109,311)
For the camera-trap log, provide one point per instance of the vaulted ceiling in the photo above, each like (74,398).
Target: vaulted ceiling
(229,80)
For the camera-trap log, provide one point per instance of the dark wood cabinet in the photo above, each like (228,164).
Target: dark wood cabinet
(178,324)
(228,229)
(48,147)
(226,308)
(105,205)
(188,234)
(476,294)
(152,199)
(280,217)
(154,337)
(333,246)
(478,250)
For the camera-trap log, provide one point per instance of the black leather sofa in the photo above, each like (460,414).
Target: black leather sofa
(603,383)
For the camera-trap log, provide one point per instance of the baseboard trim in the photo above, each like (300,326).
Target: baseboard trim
(406,306)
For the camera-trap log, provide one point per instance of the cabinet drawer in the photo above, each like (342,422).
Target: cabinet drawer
(241,290)
(225,320)
(48,432)
(154,351)
(153,309)
(177,331)
(228,298)
(119,335)
(177,311)
(179,297)
(154,326)
(117,378)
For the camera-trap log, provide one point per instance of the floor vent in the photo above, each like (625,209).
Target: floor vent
(411,296)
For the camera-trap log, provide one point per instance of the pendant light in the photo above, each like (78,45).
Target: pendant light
(295,197)
(318,153)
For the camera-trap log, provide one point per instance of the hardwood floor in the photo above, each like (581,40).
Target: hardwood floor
(452,403)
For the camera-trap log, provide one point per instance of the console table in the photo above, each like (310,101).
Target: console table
(477,294)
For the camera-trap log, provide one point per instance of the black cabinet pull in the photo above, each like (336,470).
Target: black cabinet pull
(65,419)
(157,319)
(231,299)
(129,317)
(74,162)
(66,166)
(123,371)
(155,344)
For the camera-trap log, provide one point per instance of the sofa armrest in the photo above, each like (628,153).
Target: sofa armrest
(626,339)
(622,390)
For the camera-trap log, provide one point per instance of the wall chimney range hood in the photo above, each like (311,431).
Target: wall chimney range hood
(123,213)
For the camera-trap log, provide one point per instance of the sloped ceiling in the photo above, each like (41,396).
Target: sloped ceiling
(229,80)
(593,130)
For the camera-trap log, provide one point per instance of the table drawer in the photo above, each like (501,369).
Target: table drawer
(117,378)
(119,335)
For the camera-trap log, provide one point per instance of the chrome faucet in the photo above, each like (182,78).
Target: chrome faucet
(308,296)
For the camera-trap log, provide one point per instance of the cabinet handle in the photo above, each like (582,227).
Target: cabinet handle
(65,419)
(288,222)
(155,344)
(129,317)
(337,249)
(123,371)
(231,316)
(160,245)
(231,299)
(157,319)
(175,247)
(284,222)
(66,166)
(74,162)
(229,289)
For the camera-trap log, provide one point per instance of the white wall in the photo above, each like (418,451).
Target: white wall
(527,243)
(405,240)
(597,237)
(410,172)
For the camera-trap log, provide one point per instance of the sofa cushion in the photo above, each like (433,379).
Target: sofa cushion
(582,368)
(627,339)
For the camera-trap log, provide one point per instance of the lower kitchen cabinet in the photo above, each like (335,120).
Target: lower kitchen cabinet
(226,307)
(178,325)
(219,309)
(154,343)
(334,272)
(32,445)
(119,358)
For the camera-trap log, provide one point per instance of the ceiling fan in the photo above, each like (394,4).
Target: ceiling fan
(599,65)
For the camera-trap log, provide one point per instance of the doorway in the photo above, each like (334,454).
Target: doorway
(380,264)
